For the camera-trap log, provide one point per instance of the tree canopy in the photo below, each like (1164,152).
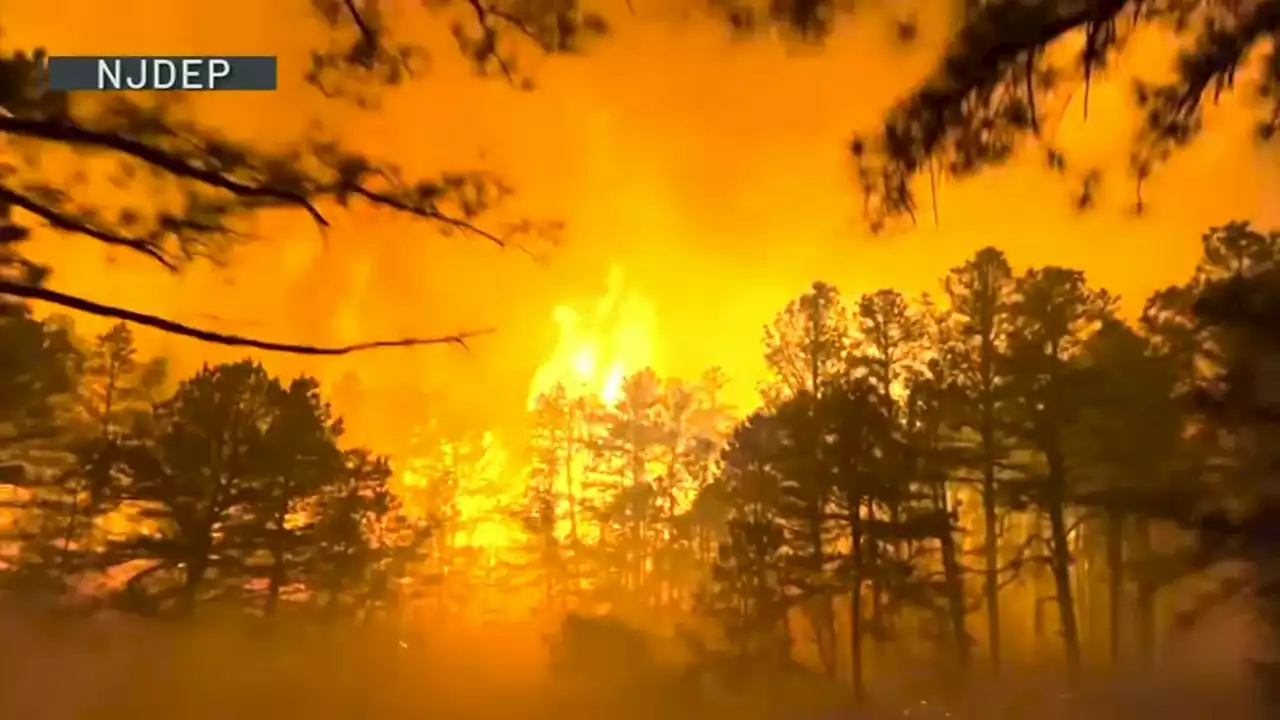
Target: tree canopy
(984,101)
(979,107)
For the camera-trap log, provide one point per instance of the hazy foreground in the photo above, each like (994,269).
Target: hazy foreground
(114,666)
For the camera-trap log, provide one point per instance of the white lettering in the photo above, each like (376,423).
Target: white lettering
(191,74)
(170,76)
(140,81)
(161,73)
(218,69)
(109,72)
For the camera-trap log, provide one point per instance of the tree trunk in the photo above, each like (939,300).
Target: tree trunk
(1055,497)
(274,581)
(196,567)
(821,615)
(1144,605)
(991,575)
(878,622)
(990,514)
(275,577)
(1061,566)
(955,597)
(571,494)
(1115,587)
(69,536)
(819,608)
(856,678)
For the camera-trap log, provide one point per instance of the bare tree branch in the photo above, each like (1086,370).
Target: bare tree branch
(63,221)
(490,38)
(426,212)
(421,201)
(75,135)
(483,13)
(32,292)
(366,32)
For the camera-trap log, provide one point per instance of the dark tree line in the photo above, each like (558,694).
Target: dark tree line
(917,466)
(233,489)
(920,471)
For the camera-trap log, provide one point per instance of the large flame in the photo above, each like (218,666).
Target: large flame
(596,351)
(599,348)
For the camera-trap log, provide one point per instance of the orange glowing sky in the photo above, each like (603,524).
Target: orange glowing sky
(712,172)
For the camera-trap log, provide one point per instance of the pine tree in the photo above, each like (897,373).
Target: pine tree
(807,352)
(979,295)
(891,337)
(370,550)
(191,476)
(558,453)
(629,450)
(273,526)
(750,591)
(1055,312)
(39,368)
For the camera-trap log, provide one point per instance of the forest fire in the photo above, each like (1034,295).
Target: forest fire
(478,475)
(599,349)
(754,359)
(600,344)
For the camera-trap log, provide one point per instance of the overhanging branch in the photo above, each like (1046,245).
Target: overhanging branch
(367,35)
(309,190)
(429,213)
(75,135)
(72,302)
(63,221)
